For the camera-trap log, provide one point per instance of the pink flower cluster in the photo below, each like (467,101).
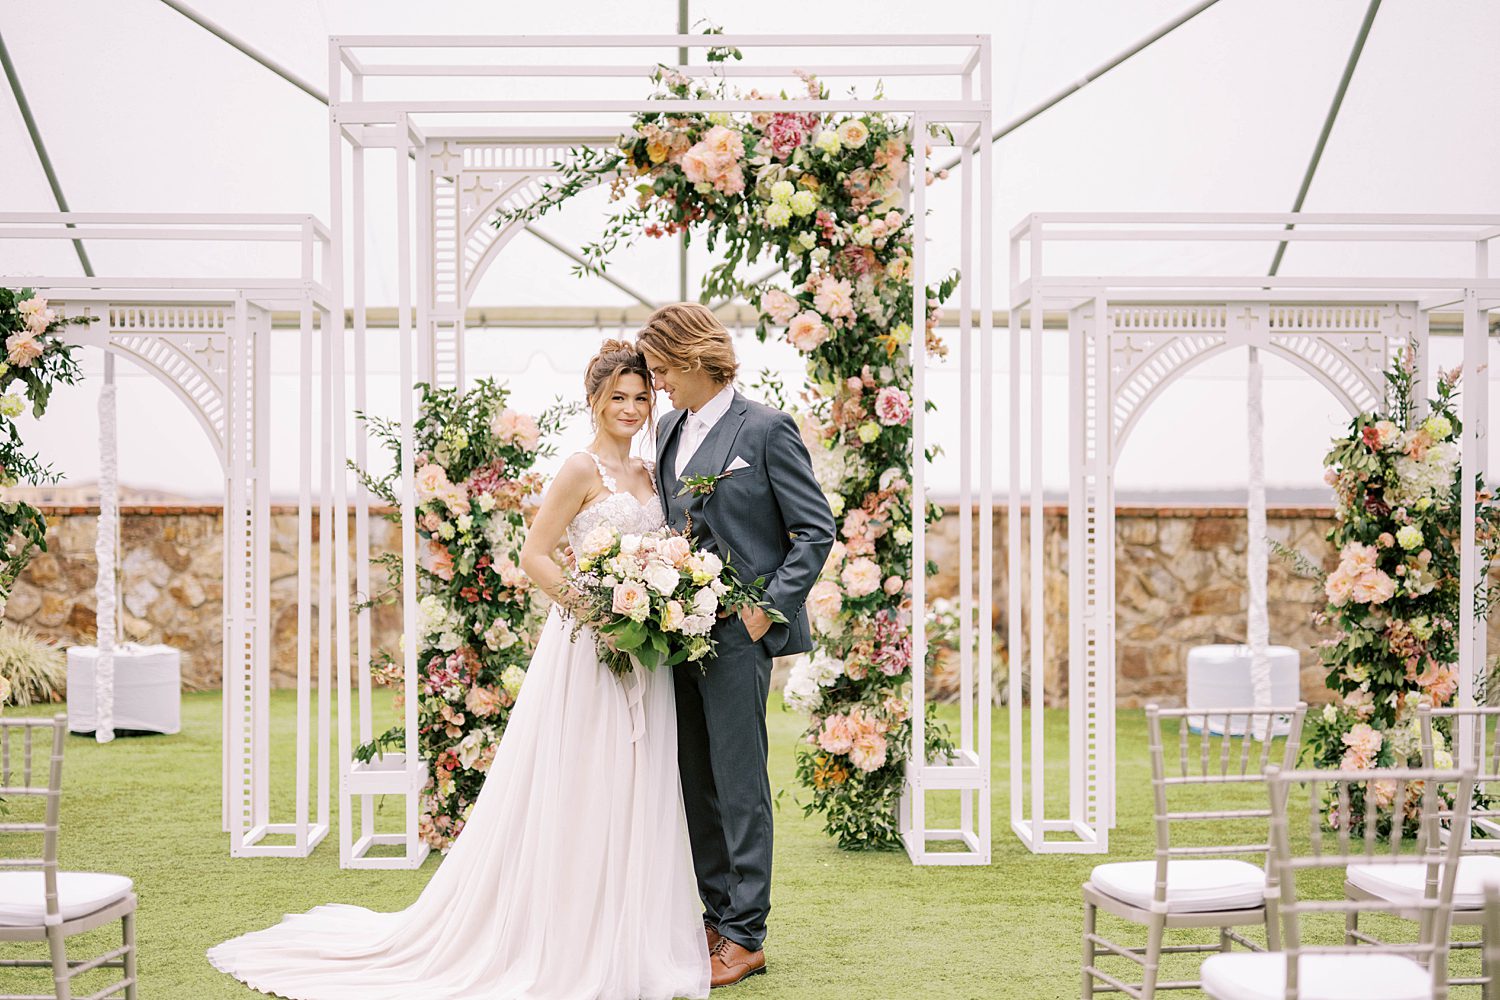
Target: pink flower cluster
(1439,681)
(1362,744)
(892,655)
(784,133)
(459,668)
(859,734)
(515,428)
(892,406)
(432,484)
(715,159)
(23,347)
(1358,578)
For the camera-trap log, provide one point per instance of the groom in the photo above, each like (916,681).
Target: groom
(757,505)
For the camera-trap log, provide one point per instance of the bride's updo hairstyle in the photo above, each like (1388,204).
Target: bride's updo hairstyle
(616,358)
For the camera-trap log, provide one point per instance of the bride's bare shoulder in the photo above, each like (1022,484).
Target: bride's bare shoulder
(578,475)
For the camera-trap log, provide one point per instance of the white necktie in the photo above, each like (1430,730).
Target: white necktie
(688,443)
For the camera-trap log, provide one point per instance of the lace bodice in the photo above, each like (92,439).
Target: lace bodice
(620,510)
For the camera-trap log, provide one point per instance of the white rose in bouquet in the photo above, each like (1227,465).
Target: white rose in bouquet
(662,579)
(597,541)
(673,617)
(705,602)
(632,601)
(697,624)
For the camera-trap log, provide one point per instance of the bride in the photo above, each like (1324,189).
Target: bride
(572,879)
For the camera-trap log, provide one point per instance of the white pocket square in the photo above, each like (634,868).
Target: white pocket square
(738,463)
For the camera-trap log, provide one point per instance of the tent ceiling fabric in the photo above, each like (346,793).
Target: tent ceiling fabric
(142,110)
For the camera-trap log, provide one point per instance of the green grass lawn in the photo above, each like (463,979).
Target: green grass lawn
(843,925)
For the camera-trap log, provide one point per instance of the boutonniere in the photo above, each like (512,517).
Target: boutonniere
(702,486)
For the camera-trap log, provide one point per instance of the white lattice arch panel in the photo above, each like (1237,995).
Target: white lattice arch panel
(186,348)
(468,183)
(1345,347)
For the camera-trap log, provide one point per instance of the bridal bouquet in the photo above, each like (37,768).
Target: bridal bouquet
(654,598)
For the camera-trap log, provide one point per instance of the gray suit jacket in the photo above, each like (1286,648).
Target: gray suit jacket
(769,519)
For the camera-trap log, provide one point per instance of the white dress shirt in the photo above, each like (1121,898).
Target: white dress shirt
(696,426)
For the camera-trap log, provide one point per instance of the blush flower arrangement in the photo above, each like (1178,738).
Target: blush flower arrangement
(478,616)
(1393,598)
(824,196)
(36,359)
(653,599)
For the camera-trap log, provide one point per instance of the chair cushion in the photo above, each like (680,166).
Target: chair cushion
(23,900)
(1193,885)
(1262,976)
(1406,882)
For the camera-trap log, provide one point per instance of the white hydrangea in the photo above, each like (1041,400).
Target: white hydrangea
(1405,742)
(1429,479)
(502,537)
(433,616)
(802,692)
(511,679)
(825,669)
(832,467)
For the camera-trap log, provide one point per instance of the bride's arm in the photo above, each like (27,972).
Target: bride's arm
(574,484)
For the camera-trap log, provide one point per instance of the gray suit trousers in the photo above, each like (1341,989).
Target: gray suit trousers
(721,754)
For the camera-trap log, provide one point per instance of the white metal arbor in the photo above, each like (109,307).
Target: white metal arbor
(1129,336)
(472,157)
(208,339)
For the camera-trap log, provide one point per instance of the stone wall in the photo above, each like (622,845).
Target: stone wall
(171,585)
(1180,582)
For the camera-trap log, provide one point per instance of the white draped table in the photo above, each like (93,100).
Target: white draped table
(147,688)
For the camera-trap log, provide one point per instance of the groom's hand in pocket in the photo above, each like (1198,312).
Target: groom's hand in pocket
(757,622)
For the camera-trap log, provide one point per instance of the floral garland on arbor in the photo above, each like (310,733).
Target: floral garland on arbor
(1394,596)
(478,616)
(36,360)
(822,195)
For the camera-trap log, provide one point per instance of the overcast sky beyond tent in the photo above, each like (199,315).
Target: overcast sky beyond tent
(144,111)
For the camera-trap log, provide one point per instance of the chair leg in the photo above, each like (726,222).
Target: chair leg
(1225,942)
(60,979)
(1486,973)
(1351,924)
(127,930)
(1089,922)
(1155,932)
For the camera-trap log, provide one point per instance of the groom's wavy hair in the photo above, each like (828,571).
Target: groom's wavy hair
(689,336)
(616,359)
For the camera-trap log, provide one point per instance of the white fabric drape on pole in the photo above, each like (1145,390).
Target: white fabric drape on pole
(1259,627)
(104,554)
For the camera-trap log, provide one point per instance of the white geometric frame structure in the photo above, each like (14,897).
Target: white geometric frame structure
(208,340)
(1340,329)
(503,160)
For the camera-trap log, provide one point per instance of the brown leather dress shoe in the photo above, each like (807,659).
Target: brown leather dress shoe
(731,962)
(712,934)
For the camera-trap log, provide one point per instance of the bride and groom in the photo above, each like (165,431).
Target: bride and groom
(617,810)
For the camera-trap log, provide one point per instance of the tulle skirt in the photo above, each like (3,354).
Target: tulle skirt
(572,879)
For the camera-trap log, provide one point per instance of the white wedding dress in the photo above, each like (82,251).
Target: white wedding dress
(573,878)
